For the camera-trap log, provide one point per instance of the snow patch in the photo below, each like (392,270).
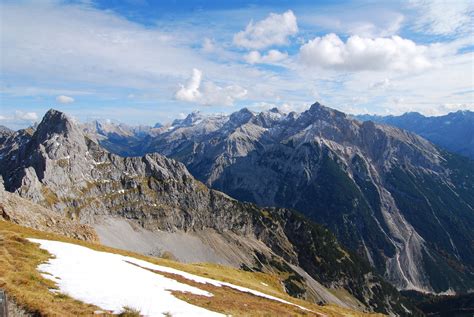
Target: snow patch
(120,281)
(108,281)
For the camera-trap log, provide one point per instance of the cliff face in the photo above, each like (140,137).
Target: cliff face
(16,209)
(59,167)
(389,195)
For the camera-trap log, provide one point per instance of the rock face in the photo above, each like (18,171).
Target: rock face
(390,195)
(21,211)
(59,167)
(454,131)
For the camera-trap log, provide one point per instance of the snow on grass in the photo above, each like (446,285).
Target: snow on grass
(119,281)
(107,280)
(204,280)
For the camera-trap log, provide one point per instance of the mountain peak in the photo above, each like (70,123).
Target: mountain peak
(190,119)
(319,108)
(315,106)
(55,121)
(242,113)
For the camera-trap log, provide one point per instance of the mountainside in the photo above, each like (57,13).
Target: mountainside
(59,167)
(46,274)
(454,131)
(387,194)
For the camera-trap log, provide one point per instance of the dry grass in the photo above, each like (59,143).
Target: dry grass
(19,277)
(229,301)
(129,312)
(19,259)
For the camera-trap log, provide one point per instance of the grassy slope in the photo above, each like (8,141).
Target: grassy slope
(19,277)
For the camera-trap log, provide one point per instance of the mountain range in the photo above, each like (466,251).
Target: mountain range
(454,131)
(153,205)
(391,203)
(389,195)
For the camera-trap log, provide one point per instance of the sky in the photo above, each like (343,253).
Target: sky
(144,61)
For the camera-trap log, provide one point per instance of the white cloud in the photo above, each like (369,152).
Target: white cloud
(207,93)
(383,84)
(208,45)
(443,17)
(359,53)
(285,107)
(274,30)
(272,56)
(26,116)
(64,99)
(87,46)
(190,92)
(366,21)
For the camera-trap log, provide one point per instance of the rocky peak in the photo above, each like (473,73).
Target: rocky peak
(57,123)
(5,130)
(318,111)
(5,133)
(241,117)
(190,119)
(268,119)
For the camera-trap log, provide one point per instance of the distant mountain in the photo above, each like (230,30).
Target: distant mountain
(454,131)
(121,138)
(388,194)
(153,205)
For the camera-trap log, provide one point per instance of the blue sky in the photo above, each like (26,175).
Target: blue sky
(143,61)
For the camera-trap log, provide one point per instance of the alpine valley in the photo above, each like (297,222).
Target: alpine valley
(391,196)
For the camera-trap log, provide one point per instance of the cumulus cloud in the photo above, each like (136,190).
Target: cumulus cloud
(207,93)
(443,17)
(26,116)
(273,56)
(358,53)
(190,92)
(274,30)
(64,99)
